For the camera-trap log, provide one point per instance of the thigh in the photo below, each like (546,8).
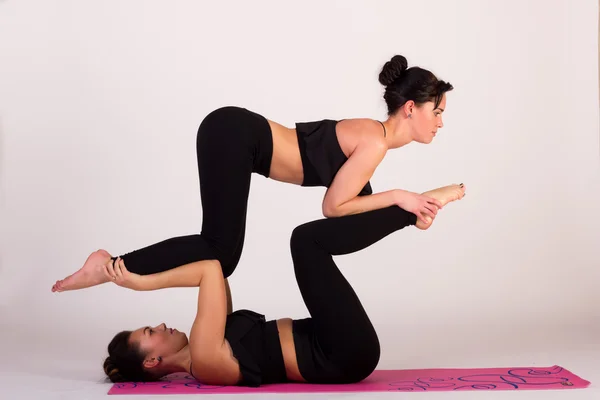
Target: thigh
(225,167)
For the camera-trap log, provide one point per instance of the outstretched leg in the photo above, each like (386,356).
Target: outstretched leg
(226,148)
(344,334)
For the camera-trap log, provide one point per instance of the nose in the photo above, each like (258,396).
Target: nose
(162,326)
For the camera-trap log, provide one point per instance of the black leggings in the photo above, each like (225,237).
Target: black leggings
(232,143)
(338,344)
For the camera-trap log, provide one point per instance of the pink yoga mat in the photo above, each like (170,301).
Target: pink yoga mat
(419,380)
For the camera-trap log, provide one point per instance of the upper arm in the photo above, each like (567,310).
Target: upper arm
(229,300)
(354,174)
(211,356)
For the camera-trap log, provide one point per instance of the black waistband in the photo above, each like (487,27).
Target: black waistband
(311,177)
(273,368)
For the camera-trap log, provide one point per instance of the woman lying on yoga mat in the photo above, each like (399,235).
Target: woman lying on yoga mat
(232,143)
(337,344)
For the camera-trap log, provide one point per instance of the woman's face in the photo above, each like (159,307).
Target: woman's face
(426,120)
(158,340)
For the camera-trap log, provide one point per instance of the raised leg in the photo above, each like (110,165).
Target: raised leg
(225,165)
(342,328)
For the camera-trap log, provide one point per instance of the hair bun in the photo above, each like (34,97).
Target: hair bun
(392,70)
(111,370)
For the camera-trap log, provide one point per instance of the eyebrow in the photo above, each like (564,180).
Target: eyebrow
(145,329)
(439,108)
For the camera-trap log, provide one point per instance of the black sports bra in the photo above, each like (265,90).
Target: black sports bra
(321,154)
(255,344)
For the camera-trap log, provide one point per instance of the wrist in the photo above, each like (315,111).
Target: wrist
(399,196)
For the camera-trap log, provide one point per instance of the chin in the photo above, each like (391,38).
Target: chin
(184,338)
(179,340)
(426,140)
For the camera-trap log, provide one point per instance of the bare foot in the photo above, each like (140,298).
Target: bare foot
(444,195)
(90,274)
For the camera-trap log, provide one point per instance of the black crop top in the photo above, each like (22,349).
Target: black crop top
(255,345)
(321,153)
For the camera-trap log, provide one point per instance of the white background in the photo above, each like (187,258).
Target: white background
(99,107)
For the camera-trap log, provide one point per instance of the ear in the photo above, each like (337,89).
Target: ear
(409,108)
(151,362)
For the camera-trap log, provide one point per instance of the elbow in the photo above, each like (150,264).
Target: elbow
(206,267)
(330,211)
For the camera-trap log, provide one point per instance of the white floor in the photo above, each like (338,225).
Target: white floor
(42,376)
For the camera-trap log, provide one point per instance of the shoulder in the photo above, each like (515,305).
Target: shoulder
(364,130)
(220,367)
(361,133)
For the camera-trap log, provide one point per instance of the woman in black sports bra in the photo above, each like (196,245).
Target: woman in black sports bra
(337,344)
(233,143)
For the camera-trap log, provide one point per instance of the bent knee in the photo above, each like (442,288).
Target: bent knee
(219,116)
(302,235)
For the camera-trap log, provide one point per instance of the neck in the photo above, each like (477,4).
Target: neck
(179,362)
(398,133)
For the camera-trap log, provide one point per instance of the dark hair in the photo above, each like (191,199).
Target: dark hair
(403,84)
(125,361)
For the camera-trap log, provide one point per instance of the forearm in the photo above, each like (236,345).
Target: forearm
(188,275)
(362,204)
